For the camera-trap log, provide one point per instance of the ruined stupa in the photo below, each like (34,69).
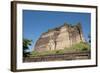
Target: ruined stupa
(60,37)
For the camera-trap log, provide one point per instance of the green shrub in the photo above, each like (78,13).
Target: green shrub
(74,48)
(57,51)
(85,49)
(81,46)
(78,47)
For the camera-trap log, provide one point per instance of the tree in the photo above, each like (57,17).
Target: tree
(26,44)
(89,36)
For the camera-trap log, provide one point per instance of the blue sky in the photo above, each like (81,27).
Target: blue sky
(37,22)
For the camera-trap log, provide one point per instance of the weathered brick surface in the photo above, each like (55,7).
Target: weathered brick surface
(60,38)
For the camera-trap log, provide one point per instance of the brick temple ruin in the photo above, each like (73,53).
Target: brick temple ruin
(60,38)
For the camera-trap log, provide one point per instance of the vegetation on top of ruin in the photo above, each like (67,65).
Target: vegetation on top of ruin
(80,47)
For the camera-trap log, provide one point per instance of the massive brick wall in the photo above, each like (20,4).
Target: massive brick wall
(60,38)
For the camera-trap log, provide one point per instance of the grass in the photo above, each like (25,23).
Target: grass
(80,47)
